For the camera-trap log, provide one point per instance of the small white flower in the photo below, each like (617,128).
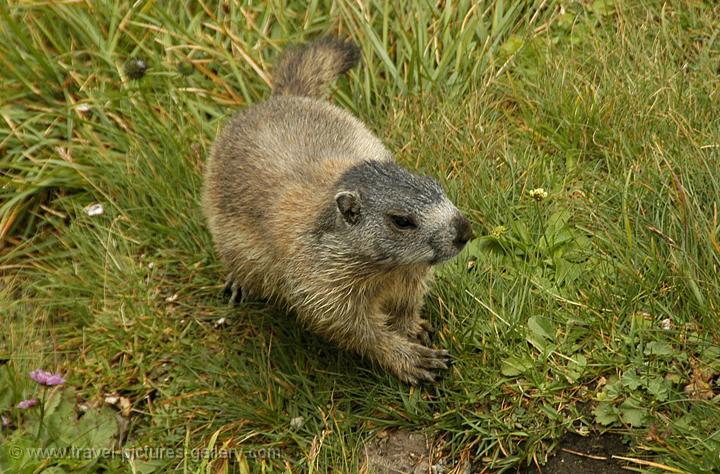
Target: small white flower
(297,422)
(538,194)
(666,324)
(83,107)
(112,399)
(94,210)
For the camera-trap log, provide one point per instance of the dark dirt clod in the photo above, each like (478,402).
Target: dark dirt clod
(585,454)
(136,68)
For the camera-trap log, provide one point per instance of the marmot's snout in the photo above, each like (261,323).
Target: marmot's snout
(463,231)
(451,237)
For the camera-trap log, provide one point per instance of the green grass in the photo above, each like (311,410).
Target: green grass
(554,315)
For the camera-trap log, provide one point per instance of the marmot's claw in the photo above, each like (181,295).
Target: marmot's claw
(232,291)
(426,365)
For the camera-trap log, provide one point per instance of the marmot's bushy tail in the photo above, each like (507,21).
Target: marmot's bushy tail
(307,70)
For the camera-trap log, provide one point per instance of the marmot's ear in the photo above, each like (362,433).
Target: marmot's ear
(348,203)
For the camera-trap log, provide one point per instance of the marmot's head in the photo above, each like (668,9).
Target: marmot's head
(387,215)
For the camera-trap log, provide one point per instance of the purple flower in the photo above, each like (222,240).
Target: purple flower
(46,378)
(25,404)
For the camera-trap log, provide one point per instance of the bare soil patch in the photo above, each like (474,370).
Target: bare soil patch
(398,452)
(586,454)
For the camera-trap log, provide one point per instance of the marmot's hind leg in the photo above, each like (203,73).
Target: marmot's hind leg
(232,290)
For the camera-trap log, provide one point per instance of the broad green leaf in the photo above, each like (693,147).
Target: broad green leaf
(513,366)
(632,413)
(147,466)
(658,348)
(605,414)
(97,426)
(659,388)
(631,379)
(541,326)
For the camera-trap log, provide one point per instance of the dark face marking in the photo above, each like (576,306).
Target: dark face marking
(384,182)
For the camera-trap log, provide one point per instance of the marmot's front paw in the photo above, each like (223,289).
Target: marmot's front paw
(416,329)
(420,364)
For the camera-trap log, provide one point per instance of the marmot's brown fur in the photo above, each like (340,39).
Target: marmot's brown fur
(307,208)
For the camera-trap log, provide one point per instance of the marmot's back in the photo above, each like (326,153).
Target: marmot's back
(274,162)
(288,138)
(284,141)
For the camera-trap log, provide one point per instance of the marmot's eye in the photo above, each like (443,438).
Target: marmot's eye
(403,222)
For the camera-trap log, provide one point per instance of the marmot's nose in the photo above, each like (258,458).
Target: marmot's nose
(463,231)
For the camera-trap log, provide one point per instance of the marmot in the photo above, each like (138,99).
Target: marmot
(308,208)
